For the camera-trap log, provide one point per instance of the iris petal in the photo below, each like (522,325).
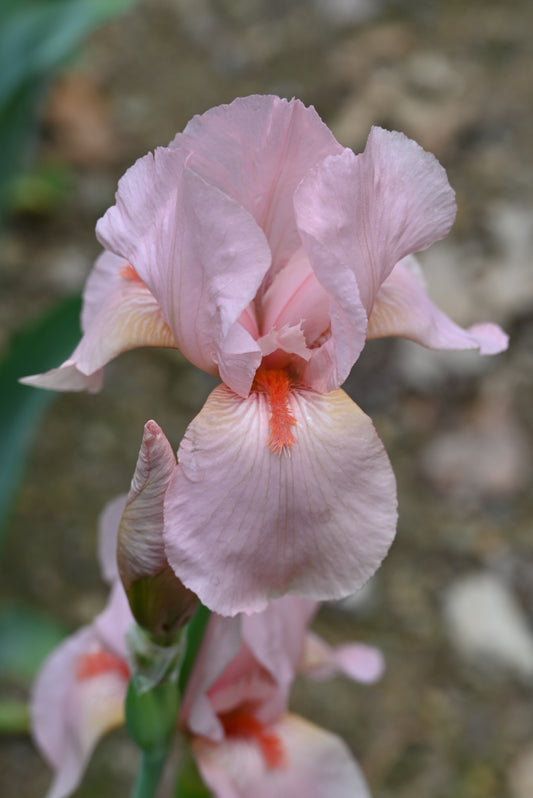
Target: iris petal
(244,524)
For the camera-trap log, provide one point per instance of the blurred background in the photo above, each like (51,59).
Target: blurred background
(85,89)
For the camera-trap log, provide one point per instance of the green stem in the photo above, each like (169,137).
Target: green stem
(195,634)
(148,775)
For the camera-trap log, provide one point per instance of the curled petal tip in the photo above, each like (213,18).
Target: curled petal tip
(491,339)
(152,430)
(67,377)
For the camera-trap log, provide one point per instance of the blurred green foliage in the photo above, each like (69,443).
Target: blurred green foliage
(37,37)
(39,346)
(40,190)
(26,637)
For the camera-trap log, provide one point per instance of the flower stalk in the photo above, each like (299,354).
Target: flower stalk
(153,698)
(148,775)
(151,721)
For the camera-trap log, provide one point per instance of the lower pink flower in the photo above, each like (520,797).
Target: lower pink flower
(79,692)
(235,705)
(245,741)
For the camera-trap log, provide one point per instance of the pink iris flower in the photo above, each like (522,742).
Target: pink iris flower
(234,709)
(80,690)
(268,253)
(244,740)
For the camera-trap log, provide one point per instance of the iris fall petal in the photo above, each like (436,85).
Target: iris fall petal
(119,313)
(78,696)
(403,308)
(315,520)
(316,764)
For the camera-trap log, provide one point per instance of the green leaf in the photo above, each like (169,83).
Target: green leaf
(26,637)
(40,346)
(36,36)
(194,636)
(18,134)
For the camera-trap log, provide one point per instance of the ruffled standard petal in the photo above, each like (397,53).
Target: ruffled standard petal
(199,252)
(373,209)
(403,308)
(119,313)
(295,312)
(78,696)
(312,763)
(331,363)
(256,150)
(315,520)
(358,215)
(296,297)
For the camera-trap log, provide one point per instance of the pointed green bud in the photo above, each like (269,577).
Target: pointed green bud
(162,605)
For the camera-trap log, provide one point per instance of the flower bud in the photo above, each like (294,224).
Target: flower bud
(161,604)
(159,601)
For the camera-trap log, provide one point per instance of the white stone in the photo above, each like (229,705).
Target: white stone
(507,288)
(487,624)
(426,369)
(521,774)
(486,455)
